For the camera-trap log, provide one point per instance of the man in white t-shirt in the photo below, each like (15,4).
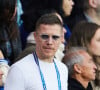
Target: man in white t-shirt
(40,70)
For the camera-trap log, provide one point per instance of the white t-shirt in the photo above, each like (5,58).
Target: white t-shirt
(25,75)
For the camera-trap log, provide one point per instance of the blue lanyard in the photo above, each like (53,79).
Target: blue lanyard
(41,74)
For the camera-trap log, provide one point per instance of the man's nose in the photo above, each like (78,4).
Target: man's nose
(50,40)
(95,67)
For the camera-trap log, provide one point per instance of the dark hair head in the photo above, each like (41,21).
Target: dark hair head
(80,6)
(77,7)
(55,5)
(82,34)
(7,8)
(34,9)
(85,5)
(42,5)
(50,19)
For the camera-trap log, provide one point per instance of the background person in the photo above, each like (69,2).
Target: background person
(81,69)
(87,34)
(10,44)
(87,10)
(4,67)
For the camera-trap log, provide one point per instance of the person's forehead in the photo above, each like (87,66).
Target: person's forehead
(49,28)
(50,25)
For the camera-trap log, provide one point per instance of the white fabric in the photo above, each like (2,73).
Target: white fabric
(24,75)
(4,67)
(59,54)
(30,38)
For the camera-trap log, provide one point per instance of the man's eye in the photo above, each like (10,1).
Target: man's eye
(56,37)
(44,36)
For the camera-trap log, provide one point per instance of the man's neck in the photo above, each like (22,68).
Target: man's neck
(49,60)
(95,17)
(44,58)
(83,82)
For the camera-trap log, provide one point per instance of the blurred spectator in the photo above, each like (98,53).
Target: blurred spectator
(10,43)
(4,67)
(81,69)
(87,34)
(88,10)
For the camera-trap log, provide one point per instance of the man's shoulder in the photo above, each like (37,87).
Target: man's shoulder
(24,62)
(61,65)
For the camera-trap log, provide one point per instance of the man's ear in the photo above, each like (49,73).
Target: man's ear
(93,3)
(77,68)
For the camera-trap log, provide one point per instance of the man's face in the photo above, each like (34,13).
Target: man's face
(48,39)
(88,68)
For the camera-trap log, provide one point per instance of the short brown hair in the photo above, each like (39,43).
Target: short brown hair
(50,19)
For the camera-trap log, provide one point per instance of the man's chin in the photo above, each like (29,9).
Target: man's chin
(47,55)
